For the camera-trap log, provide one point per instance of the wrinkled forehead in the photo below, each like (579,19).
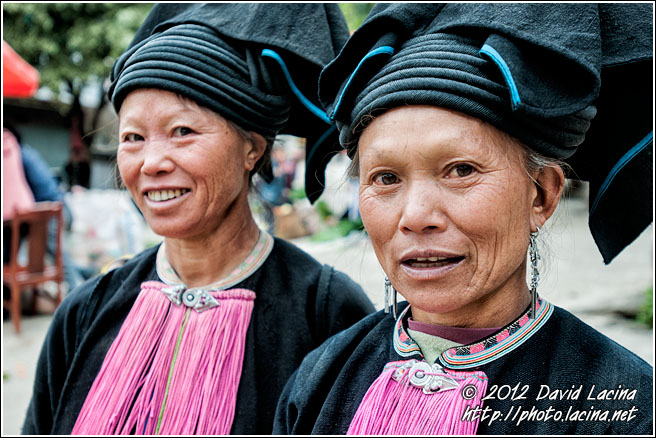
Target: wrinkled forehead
(160,101)
(424,126)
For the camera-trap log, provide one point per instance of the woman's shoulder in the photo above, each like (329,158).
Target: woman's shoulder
(126,266)
(350,346)
(584,350)
(323,299)
(328,375)
(288,250)
(297,267)
(107,282)
(289,264)
(609,373)
(589,341)
(363,334)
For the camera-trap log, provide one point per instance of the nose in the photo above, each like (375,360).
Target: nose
(157,158)
(423,209)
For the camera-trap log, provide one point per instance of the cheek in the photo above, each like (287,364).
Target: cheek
(379,219)
(494,225)
(371,209)
(495,205)
(128,167)
(221,180)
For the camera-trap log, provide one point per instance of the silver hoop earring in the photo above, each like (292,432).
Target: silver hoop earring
(389,291)
(535,274)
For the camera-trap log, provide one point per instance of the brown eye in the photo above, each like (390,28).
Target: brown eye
(130,138)
(463,170)
(387,178)
(183,130)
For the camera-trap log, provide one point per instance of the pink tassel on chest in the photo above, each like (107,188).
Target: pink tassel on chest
(171,370)
(415,398)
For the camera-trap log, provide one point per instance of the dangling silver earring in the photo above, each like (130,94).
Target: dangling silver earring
(535,275)
(389,290)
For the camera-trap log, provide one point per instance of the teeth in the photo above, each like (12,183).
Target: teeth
(165,195)
(432,264)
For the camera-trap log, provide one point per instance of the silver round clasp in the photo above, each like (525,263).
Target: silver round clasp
(190,297)
(419,374)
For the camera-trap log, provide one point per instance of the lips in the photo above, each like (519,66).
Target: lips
(431,262)
(165,195)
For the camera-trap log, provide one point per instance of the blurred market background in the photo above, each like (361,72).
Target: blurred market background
(56,62)
(70,123)
(59,113)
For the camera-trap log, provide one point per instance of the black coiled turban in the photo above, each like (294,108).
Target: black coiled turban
(257,65)
(571,81)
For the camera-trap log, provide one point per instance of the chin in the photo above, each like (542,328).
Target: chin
(437,308)
(433,301)
(170,231)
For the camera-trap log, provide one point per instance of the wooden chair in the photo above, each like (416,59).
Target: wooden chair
(37,270)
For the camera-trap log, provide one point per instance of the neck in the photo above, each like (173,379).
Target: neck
(205,260)
(496,309)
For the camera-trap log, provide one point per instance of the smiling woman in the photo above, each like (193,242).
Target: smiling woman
(457,117)
(199,334)
(158,156)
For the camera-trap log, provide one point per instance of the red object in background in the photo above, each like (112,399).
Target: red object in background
(19,79)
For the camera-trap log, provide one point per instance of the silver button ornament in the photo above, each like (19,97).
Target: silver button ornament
(195,298)
(430,378)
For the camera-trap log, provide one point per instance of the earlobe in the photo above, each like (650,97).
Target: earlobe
(550,182)
(254,150)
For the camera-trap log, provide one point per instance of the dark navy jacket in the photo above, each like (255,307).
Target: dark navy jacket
(299,304)
(555,350)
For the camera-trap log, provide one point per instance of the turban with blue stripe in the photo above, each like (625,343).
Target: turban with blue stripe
(256,65)
(571,81)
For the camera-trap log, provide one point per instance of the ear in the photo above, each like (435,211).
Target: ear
(254,150)
(549,186)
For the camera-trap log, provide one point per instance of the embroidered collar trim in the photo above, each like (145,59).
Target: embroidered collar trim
(246,268)
(480,352)
(403,343)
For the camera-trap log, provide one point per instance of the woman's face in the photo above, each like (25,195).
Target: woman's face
(185,167)
(448,207)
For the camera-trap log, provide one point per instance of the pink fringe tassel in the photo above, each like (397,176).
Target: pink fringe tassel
(398,408)
(131,387)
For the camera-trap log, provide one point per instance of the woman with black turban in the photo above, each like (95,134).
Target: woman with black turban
(198,335)
(458,118)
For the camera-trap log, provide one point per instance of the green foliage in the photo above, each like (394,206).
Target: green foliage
(341,229)
(348,225)
(297,194)
(71,42)
(355,13)
(323,210)
(646,313)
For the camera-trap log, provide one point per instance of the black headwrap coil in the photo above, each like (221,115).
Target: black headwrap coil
(257,65)
(571,81)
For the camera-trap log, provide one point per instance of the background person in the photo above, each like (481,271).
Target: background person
(16,193)
(198,335)
(457,118)
(45,187)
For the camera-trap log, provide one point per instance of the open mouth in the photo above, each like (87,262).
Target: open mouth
(165,195)
(431,262)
